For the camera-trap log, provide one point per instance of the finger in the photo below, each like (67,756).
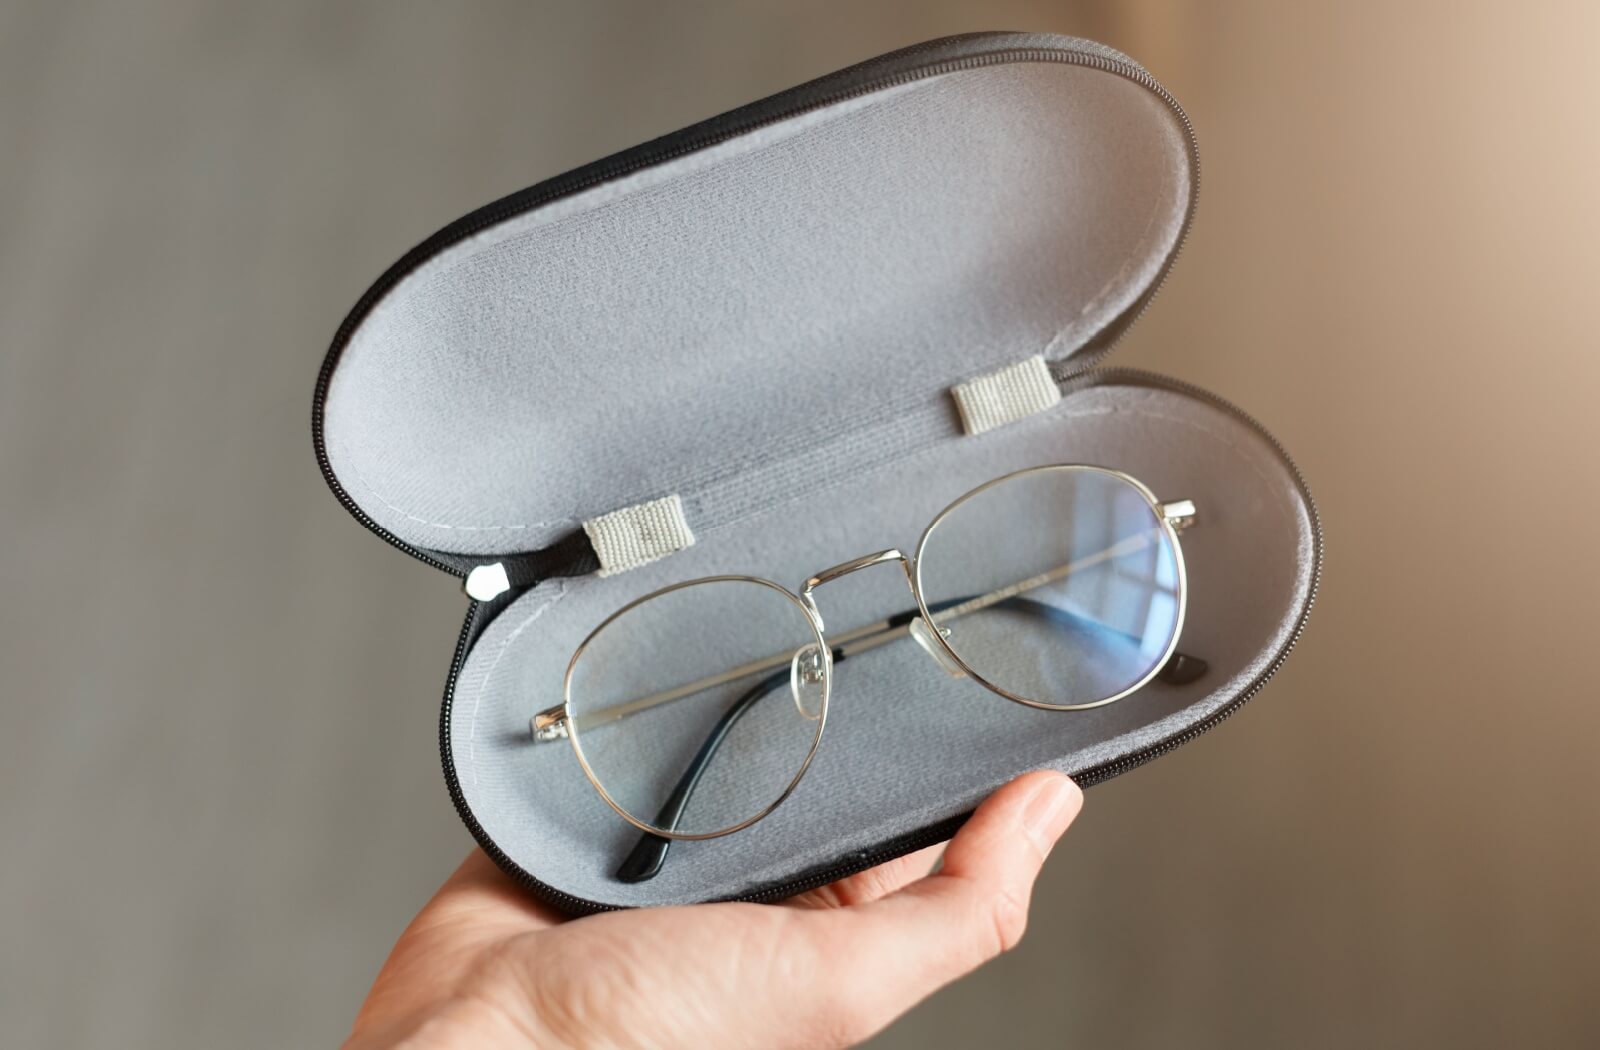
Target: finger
(908,944)
(872,884)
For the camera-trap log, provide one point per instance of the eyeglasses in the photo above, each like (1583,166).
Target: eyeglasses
(1060,587)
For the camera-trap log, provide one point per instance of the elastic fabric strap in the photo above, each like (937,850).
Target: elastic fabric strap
(1006,395)
(634,536)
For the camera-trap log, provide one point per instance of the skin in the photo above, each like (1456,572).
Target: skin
(484,964)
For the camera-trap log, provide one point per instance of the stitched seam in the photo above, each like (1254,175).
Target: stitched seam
(445,525)
(722,527)
(1211,432)
(488,676)
(693,482)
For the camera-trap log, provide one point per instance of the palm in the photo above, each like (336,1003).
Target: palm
(485,963)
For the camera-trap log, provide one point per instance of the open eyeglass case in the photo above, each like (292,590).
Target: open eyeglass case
(765,316)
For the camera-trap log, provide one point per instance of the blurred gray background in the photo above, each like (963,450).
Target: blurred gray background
(220,795)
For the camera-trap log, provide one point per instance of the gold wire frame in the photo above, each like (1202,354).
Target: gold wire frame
(561,721)
(571,723)
(1167,529)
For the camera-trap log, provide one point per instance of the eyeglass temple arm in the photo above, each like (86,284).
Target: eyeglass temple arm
(644,861)
(647,855)
(550,724)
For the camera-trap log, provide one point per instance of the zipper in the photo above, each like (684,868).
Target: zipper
(816,94)
(851,83)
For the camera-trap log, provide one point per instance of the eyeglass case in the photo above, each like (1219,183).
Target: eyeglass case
(764,315)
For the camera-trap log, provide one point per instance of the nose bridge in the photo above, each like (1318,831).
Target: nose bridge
(866,561)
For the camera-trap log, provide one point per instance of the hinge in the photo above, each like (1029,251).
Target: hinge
(1179,514)
(550,724)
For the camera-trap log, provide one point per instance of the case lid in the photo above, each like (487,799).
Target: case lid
(778,294)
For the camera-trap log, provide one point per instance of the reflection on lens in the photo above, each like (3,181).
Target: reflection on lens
(697,709)
(1058,585)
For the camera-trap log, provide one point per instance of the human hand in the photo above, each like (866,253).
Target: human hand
(484,964)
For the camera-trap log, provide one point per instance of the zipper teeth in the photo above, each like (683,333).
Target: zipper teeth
(526,201)
(566,901)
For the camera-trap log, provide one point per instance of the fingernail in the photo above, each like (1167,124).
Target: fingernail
(1047,813)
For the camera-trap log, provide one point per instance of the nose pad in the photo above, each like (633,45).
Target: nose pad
(808,681)
(923,633)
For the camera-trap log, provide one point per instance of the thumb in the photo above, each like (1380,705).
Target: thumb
(910,943)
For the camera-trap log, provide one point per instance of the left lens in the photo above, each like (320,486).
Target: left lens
(697,708)
(1060,585)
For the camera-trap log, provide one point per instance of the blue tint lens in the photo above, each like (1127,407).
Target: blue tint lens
(1060,585)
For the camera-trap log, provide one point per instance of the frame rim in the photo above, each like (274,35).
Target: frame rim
(1166,526)
(816,739)
(914,578)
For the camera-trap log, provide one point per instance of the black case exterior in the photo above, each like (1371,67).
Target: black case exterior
(575,558)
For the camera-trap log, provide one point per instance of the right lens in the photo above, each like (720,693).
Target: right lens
(1061,585)
(697,708)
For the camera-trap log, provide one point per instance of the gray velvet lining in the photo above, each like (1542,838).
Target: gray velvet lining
(769,328)
(905,746)
(748,315)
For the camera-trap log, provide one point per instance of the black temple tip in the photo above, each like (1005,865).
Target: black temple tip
(646,859)
(1181,669)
